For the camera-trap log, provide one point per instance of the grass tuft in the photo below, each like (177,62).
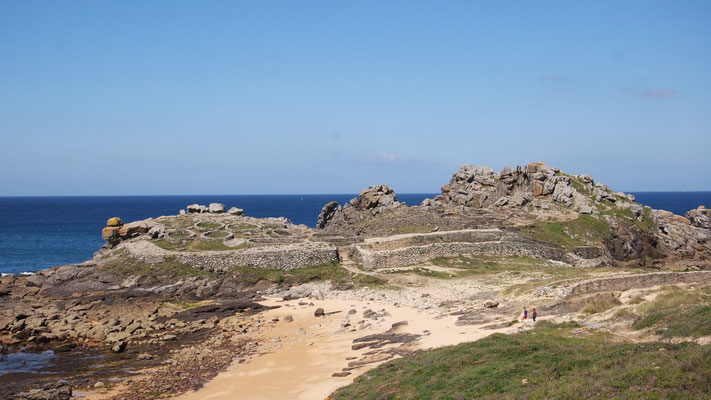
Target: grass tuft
(555,362)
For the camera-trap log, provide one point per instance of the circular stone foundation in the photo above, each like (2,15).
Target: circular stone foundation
(243,228)
(214,226)
(179,235)
(221,238)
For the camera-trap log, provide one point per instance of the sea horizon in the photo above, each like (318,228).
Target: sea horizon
(39,232)
(289,194)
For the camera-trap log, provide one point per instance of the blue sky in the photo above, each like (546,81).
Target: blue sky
(237,97)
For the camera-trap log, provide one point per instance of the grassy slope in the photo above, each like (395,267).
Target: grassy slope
(555,363)
(677,313)
(540,272)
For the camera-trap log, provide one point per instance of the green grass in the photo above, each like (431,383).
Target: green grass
(677,313)
(326,272)
(626,216)
(178,235)
(485,265)
(422,271)
(125,266)
(196,245)
(555,361)
(242,226)
(600,303)
(540,272)
(216,234)
(585,230)
(578,185)
(208,225)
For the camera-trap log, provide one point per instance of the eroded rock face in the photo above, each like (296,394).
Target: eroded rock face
(369,203)
(477,186)
(327,213)
(679,235)
(700,217)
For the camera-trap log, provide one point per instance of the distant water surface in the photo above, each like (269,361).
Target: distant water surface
(41,232)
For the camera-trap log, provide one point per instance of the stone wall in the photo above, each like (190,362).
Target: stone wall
(639,281)
(372,260)
(464,236)
(284,257)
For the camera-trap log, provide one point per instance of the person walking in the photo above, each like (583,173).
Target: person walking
(534,315)
(525,313)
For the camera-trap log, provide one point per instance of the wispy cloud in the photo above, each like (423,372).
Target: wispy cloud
(556,77)
(651,93)
(388,157)
(658,93)
(393,159)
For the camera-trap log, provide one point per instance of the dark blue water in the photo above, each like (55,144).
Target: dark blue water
(42,232)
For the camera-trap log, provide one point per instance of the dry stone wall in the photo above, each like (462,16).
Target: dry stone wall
(639,281)
(384,254)
(285,257)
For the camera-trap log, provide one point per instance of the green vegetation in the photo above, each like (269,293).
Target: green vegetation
(586,229)
(578,185)
(677,313)
(551,361)
(540,272)
(600,303)
(426,272)
(216,234)
(485,265)
(178,235)
(196,245)
(331,272)
(625,215)
(242,227)
(208,225)
(125,266)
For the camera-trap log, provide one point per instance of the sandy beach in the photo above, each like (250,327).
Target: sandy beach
(300,357)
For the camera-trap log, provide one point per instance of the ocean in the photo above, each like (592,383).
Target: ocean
(41,232)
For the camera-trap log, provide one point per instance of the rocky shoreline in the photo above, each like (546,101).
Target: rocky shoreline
(176,299)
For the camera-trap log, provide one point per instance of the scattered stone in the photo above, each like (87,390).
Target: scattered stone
(216,208)
(235,211)
(491,304)
(319,312)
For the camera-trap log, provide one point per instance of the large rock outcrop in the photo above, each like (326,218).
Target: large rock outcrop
(475,186)
(116,230)
(369,203)
(700,217)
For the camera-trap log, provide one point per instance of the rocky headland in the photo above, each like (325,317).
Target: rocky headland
(170,302)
